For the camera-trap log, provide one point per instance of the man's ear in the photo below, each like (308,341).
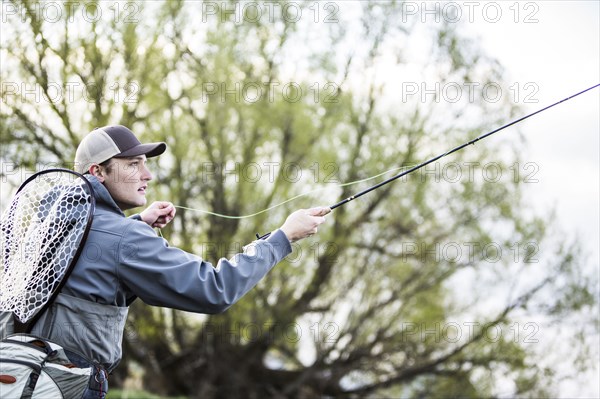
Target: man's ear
(97,170)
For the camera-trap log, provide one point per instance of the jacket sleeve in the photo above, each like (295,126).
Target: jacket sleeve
(161,275)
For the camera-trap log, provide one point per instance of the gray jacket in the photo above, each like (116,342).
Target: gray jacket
(123,259)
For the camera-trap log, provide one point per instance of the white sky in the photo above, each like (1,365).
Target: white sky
(560,53)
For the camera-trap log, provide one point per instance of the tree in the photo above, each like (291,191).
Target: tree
(259,108)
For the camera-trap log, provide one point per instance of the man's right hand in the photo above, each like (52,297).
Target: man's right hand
(303,223)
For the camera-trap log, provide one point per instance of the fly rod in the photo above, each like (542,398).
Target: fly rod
(460,147)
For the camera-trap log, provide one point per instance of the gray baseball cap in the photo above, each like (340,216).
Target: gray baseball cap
(107,142)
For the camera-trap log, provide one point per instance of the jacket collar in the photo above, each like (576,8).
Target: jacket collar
(102,195)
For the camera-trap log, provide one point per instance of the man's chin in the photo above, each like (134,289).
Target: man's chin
(132,205)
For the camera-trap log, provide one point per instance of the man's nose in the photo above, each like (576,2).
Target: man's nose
(146,174)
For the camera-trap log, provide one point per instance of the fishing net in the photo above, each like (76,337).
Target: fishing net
(42,232)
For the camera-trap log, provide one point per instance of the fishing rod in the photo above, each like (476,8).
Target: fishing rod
(460,147)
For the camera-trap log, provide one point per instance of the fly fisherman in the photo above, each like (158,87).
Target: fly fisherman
(124,259)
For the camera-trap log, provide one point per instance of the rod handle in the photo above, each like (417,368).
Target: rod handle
(263,237)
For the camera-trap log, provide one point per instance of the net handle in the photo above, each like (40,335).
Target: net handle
(26,327)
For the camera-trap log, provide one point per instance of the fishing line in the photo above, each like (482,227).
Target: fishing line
(395,177)
(221,215)
(460,147)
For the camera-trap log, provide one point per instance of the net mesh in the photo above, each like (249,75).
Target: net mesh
(41,231)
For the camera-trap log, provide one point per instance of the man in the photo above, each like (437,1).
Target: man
(124,259)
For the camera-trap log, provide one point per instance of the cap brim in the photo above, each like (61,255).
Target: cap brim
(149,150)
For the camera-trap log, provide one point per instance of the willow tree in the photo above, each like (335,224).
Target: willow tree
(425,288)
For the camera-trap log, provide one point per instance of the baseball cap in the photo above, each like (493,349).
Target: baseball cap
(107,142)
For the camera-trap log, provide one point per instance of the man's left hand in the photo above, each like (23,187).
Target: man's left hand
(159,214)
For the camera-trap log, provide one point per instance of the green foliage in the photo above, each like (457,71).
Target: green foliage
(365,309)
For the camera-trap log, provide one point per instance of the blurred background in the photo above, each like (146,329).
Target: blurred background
(476,276)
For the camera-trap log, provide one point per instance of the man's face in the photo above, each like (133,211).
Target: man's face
(126,179)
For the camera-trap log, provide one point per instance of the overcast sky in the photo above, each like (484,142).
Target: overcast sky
(560,54)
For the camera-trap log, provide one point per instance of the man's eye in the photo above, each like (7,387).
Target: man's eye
(134,164)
